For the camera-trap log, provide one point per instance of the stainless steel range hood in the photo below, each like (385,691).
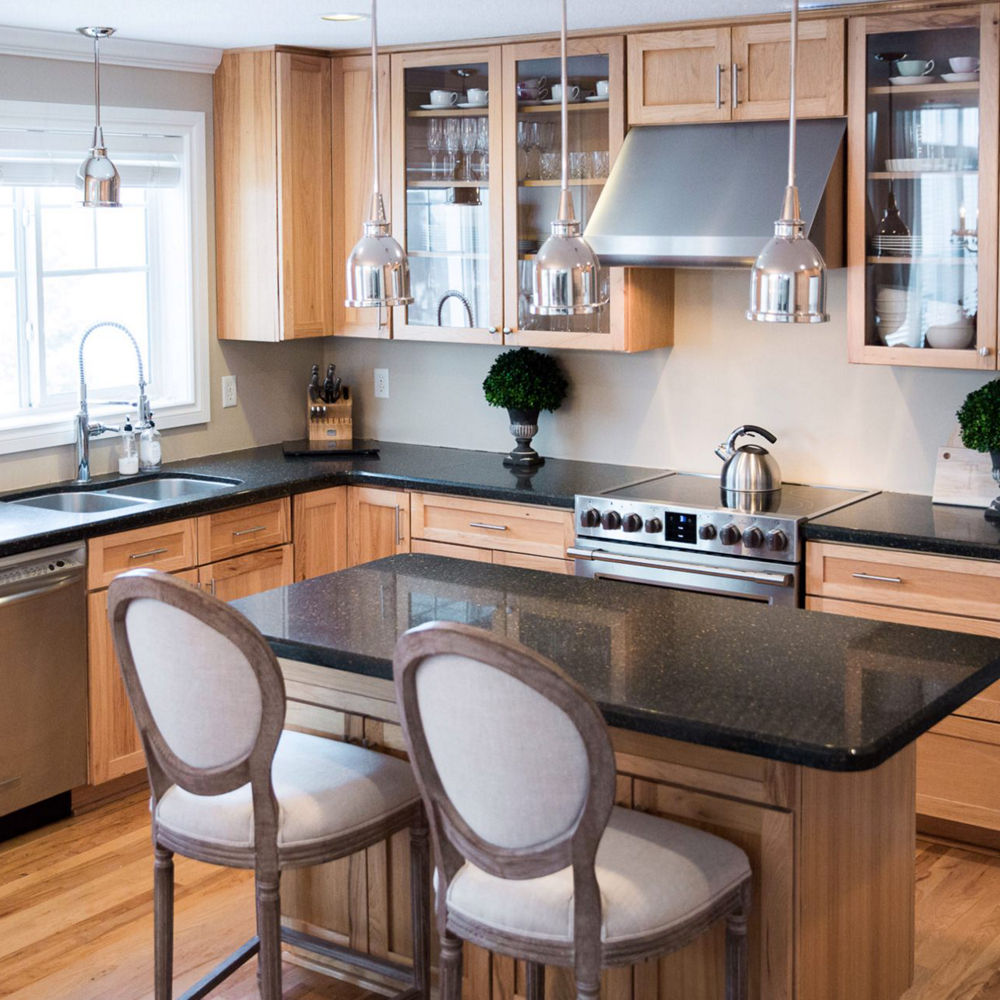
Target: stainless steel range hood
(708,195)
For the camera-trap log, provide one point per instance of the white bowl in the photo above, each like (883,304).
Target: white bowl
(951,336)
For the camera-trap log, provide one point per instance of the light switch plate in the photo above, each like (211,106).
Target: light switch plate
(228,391)
(381,383)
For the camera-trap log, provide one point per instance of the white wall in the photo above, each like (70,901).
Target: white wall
(857,425)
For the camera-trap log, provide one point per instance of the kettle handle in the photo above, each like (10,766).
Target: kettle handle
(725,451)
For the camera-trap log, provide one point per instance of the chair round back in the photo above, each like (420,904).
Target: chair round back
(206,689)
(513,757)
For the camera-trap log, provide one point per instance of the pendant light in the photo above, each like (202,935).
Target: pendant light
(565,278)
(97,174)
(378,271)
(788,282)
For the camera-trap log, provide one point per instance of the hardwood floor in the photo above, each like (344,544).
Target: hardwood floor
(76,918)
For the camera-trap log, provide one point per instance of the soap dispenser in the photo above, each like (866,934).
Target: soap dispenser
(128,455)
(150,452)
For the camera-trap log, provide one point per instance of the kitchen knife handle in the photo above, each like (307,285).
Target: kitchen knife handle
(736,85)
(718,85)
(881,579)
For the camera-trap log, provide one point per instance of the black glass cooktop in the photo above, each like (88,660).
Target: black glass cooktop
(705,493)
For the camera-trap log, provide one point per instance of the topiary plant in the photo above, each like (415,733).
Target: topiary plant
(979,418)
(524,379)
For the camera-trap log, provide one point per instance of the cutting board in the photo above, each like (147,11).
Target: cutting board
(964,477)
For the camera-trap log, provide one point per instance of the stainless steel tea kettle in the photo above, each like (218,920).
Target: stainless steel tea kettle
(749,468)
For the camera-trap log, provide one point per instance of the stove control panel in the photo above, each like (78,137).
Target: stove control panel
(730,532)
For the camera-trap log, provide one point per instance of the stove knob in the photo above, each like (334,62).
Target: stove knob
(753,538)
(632,522)
(729,535)
(654,525)
(611,519)
(707,531)
(590,518)
(777,540)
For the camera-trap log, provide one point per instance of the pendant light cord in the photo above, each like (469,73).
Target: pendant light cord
(792,61)
(375,191)
(564,110)
(97,86)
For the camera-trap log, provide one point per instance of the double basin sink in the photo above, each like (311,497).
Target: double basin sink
(100,500)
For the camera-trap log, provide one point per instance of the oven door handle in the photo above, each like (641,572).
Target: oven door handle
(758,576)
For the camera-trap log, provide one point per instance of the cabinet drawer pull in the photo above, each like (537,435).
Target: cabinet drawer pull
(881,579)
(718,85)
(488,527)
(146,555)
(249,531)
(399,537)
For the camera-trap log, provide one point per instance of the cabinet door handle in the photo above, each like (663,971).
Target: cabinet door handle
(718,84)
(984,352)
(488,527)
(736,85)
(211,586)
(399,537)
(492,329)
(881,579)
(249,531)
(146,555)
(507,330)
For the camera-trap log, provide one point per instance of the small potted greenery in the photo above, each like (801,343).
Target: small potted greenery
(525,381)
(979,420)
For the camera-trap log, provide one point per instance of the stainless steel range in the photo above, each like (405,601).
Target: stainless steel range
(677,531)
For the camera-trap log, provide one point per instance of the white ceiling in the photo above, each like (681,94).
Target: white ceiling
(237,23)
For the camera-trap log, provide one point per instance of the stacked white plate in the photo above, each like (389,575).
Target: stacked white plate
(911,246)
(924,163)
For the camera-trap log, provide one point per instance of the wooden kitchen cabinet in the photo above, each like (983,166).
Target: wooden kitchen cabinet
(378,523)
(319,528)
(922,192)
(241,576)
(274,195)
(233,532)
(734,74)
(957,759)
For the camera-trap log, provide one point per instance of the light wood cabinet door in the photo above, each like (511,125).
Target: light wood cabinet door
(273,195)
(231,579)
(244,529)
(319,527)
(167,547)
(378,523)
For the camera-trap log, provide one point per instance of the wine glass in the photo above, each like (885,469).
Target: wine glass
(435,142)
(470,136)
(483,146)
(523,145)
(452,142)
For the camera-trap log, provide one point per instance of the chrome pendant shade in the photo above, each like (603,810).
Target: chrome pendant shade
(378,270)
(788,281)
(565,279)
(97,175)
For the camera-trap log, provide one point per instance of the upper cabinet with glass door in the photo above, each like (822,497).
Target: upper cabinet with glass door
(922,210)
(446,198)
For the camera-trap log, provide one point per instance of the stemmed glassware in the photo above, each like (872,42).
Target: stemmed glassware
(470,138)
(435,142)
(452,143)
(483,147)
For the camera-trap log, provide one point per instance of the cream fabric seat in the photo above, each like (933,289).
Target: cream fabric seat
(532,858)
(231,787)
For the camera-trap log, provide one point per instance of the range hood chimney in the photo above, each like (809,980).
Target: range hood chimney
(706,195)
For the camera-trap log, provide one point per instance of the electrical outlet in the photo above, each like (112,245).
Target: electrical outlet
(381,383)
(228,390)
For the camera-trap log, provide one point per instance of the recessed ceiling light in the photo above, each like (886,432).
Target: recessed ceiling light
(343,16)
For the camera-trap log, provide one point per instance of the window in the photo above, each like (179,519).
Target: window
(65,268)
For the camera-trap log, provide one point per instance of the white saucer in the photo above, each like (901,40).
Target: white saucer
(440,107)
(959,77)
(465,104)
(595,97)
(909,81)
(558,100)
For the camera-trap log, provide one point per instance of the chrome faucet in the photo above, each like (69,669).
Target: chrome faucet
(85,430)
(454,294)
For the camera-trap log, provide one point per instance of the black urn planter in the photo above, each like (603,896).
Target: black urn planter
(524,426)
(993,511)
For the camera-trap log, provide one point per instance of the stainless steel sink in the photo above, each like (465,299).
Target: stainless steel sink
(172,488)
(78,503)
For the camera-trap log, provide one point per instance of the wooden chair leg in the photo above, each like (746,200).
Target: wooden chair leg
(163,922)
(534,981)
(420,906)
(450,967)
(269,932)
(736,950)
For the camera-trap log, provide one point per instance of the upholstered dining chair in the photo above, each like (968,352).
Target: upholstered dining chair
(231,787)
(533,859)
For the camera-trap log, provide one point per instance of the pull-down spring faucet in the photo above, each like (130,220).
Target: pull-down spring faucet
(86,430)
(454,294)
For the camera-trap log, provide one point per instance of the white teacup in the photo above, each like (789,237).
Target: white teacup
(476,96)
(914,67)
(444,98)
(572,92)
(964,64)
(602,88)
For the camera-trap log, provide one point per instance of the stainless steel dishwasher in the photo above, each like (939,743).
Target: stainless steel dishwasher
(43,675)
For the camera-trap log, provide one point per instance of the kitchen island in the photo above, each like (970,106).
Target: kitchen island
(789,732)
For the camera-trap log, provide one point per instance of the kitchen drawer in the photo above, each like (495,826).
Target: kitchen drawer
(941,584)
(241,576)
(168,547)
(422,547)
(524,561)
(539,531)
(244,529)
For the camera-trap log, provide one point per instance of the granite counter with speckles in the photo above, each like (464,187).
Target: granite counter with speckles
(825,691)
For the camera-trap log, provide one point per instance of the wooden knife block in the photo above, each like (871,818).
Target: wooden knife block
(329,421)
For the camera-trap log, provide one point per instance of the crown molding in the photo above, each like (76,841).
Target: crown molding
(39,44)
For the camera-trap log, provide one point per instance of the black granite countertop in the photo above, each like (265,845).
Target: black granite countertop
(825,691)
(265,473)
(908,521)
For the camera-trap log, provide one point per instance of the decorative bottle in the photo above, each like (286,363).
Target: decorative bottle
(150,451)
(128,457)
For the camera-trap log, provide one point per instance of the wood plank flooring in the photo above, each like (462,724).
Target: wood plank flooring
(76,918)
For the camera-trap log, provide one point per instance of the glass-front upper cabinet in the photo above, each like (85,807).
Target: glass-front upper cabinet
(447,203)
(922,217)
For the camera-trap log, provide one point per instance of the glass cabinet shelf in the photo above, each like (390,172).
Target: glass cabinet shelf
(556,107)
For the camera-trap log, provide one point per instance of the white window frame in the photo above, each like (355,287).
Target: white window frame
(28,433)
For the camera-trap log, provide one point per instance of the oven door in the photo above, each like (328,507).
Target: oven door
(747,579)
